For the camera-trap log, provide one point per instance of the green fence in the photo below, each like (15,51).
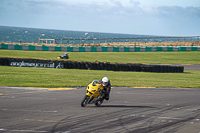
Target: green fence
(97,49)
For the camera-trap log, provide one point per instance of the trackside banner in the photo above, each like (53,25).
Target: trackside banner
(31,64)
(35,63)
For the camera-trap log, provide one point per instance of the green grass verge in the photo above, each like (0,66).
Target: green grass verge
(192,57)
(44,77)
(47,77)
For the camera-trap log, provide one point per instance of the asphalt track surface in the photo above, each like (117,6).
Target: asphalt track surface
(192,67)
(129,110)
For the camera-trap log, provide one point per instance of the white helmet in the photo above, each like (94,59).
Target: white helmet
(105,81)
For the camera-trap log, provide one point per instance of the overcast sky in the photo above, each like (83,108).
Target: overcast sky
(145,17)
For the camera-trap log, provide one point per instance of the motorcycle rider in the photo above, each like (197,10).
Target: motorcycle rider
(107,87)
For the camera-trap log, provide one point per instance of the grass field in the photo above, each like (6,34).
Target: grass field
(120,57)
(46,77)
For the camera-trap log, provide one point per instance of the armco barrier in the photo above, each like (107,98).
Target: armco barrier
(19,62)
(97,49)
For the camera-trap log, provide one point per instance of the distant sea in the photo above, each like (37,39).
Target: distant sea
(31,35)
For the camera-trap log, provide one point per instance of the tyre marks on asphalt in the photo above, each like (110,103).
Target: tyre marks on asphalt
(48,121)
(98,122)
(169,120)
(132,119)
(40,88)
(22,110)
(25,131)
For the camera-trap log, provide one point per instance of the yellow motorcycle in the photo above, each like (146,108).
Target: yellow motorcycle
(94,94)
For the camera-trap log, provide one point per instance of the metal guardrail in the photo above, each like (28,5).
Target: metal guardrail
(118,40)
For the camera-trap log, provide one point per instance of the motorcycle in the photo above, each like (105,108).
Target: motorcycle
(94,94)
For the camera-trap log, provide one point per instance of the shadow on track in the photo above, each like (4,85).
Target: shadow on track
(123,106)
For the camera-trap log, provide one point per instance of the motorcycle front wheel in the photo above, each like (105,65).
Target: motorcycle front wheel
(85,101)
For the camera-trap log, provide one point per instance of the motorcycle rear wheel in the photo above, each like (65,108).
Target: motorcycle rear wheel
(85,101)
(98,104)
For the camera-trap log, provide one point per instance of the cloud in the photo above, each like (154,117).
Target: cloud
(122,16)
(179,11)
(102,8)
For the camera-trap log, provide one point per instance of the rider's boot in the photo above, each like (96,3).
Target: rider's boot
(107,95)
